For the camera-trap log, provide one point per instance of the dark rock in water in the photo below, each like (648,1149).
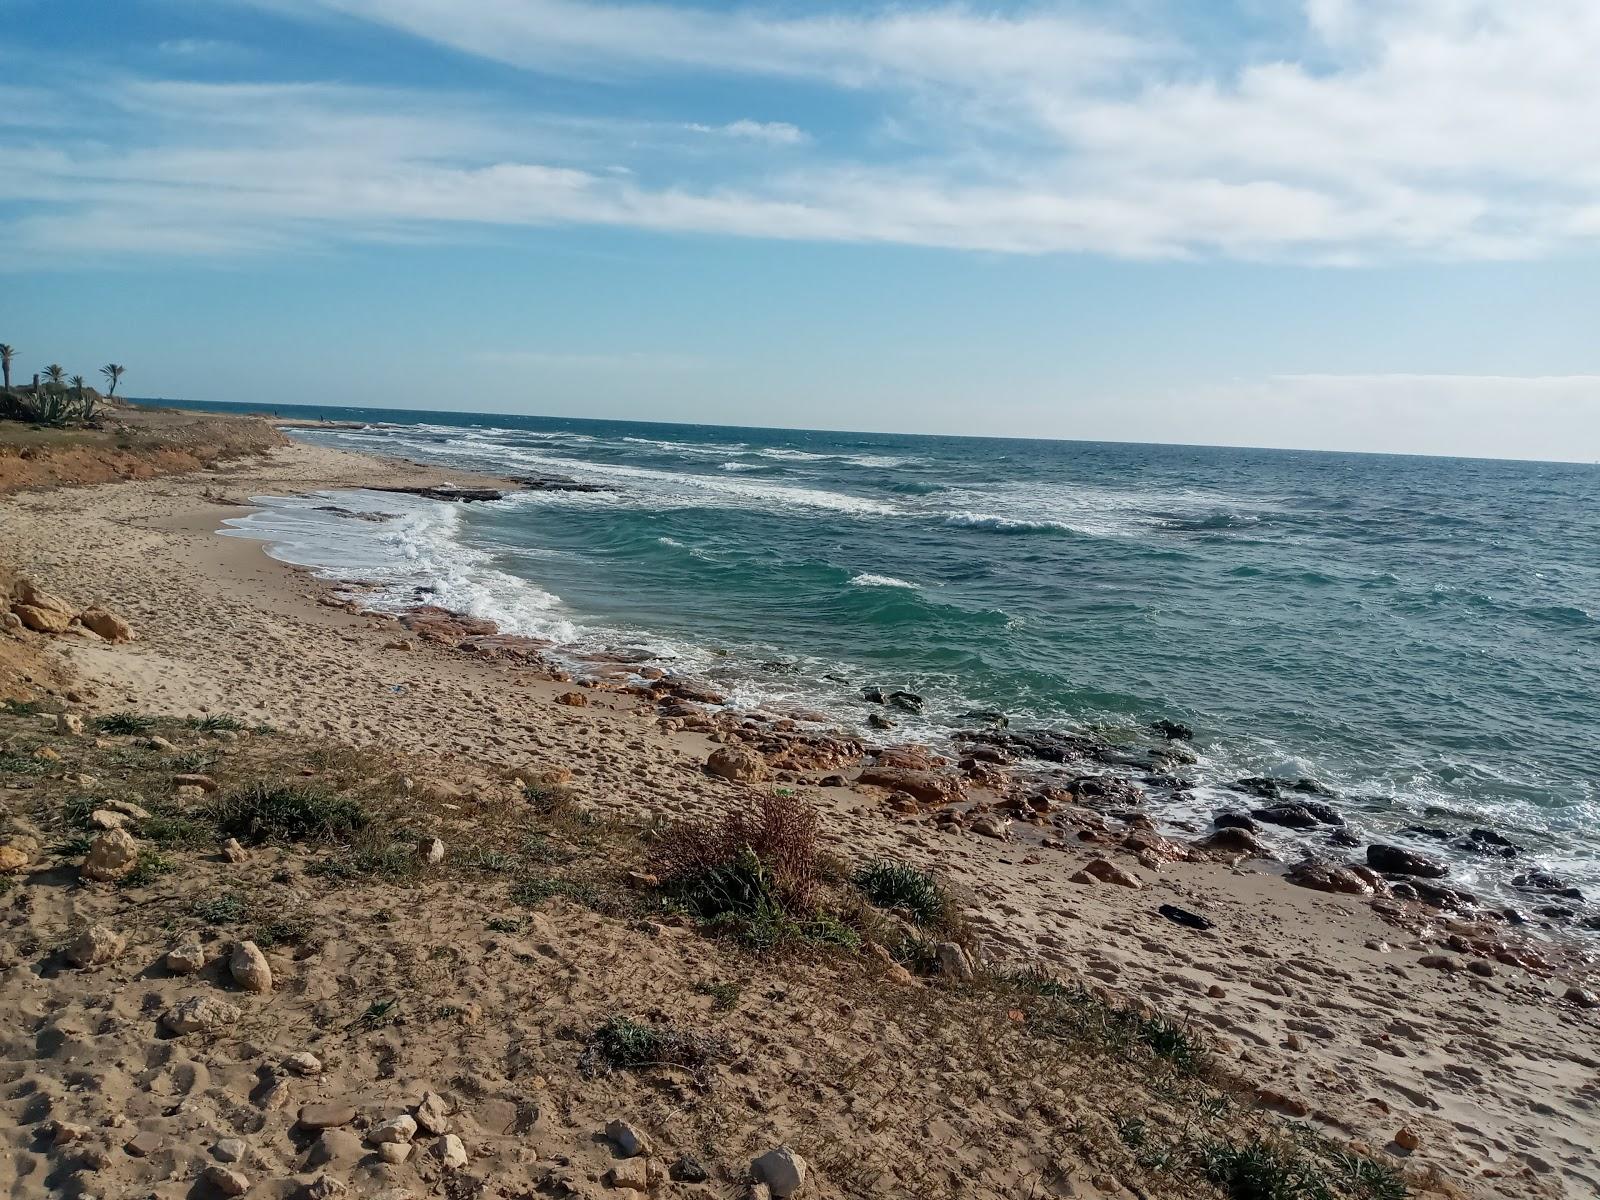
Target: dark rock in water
(1298,814)
(352,514)
(1276,789)
(1323,876)
(1234,820)
(1438,896)
(1431,831)
(906,701)
(689,689)
(1343,837)
(1558,911)
(1173,731)
(1047,744)
(1487,841)
(1231,839)
(829,675)
(988,716)
(879,721)
(1183,916)
(1544,881)
(1397,860)
(779,667)
(873,695)
(558,483)
(1174,753)
(1514,916)
(466,495)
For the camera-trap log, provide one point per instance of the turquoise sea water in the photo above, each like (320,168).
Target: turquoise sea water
(1422,635)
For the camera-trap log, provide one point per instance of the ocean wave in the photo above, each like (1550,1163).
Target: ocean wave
(734,465)
(866,579)
(995,524)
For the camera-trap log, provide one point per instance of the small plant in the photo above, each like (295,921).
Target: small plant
(724,995)
(276,812)
(284,931)
(505,924)
(74,845)
(379,1013)
(176,832)
(1072,1013)
(191,761)
(26,708)
(393,860)
(493,862)
(625,1044)
(124,724)
(227,909)
(536,889)
(897,885)
(21,764)
(214,723)
(149,868)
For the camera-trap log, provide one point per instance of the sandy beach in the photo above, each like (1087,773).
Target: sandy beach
(1358,1019)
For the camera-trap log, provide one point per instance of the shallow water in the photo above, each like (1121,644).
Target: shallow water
(1422,635)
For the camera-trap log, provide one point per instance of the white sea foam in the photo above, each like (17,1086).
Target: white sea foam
(997,524)
(867,579)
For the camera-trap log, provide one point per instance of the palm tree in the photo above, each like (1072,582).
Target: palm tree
(6,353)
(55,373)
(113,372)
(77,384)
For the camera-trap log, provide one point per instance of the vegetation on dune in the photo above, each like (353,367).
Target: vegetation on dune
(54,399)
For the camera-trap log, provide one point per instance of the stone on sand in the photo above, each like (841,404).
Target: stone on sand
(303,1062)
(107,624)
(112,856)
(187,957)
(42,620)
(631,1174)
(782,1170)
(333,1145)
(248,966)
(628,1140)
(69,724)
(96,945)
(396,1129)
(736,764)
(394,1152)
(226,1180)
(199,1014)
(17,851)
(433,1114)
(451,1153)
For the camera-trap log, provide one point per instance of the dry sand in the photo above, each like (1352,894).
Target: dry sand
(1314,997)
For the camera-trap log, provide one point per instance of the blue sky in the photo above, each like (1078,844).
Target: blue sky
(1345,224)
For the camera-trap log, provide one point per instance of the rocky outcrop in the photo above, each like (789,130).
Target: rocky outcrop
(44,612)
(1396,860)
(107,624)
(736,764)
(929,787)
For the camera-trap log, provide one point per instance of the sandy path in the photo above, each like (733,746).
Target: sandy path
(1320,1001)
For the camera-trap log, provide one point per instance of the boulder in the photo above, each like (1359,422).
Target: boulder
(226,1180)
(1397,860)
(249,968)
(1108,872)
(573,699)
(96,945)
(69,724)
(736,764)
(107,624)
(628,1140)
(112,856)
(1322,876)
(433,1114)
(1231,840)
(953,961)
(929,787)
(396,1129)
(782,1170)
(42,620)
(992,825)
(451,1153)
(29,593)
(187,957)
(1298,814)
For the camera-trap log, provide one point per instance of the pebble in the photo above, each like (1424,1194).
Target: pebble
(1407,1139)
(333,1145)
(233,851)
(229,1150)
(431,852)
(326,1115)
(323,1187)
(112,856)
(631,1174)
(248,966)
(396,1129)
(143,1144)
(1440,962)
(303,1063)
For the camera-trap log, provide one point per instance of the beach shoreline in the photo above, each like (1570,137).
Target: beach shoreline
(1330,1005)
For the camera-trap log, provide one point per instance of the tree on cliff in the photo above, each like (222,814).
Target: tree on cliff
(113,372)
(6,353)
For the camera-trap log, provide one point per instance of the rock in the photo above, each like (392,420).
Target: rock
(1109,872)
(689,1169)
(249,968)
(1173,731)
(1396,860)
(303,1063)
(1582,997)
(1440,962)
(573,699)
(107,624)
(42,620)
(782,1170)
(233,851)
(431,852)
(10,622)
(1296,814)
(200,1014)
(1231,840)
(1324,876)
(433,1114)
(106,818)
(542,779)
(226,1180)
(204,782)
(156,742)
(1182,916)
(323,1187)
(1544,881)
(879,721)
(187,957)
(30,593)
(631,1174)
(905,701)
(69,724)
(1235,820)
(332,1145)
(96,945)
(143,1144)
(112,856)
(953,961)
(229,1150)
(928,787)
(452,1154)
(992,825)
(64,1133)
(17,852)
(736,764)
(396,1129)
(394,1153)
(628,1140)
(1407,1139)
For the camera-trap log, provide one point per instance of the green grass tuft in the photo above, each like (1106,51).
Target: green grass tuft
(899,886)
(124,724)
(227,909)
(213,724)
(149,868)
(625,1044)
(277,812)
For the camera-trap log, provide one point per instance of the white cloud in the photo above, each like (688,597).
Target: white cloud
(1378,130)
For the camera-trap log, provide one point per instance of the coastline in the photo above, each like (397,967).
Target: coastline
(1316,997)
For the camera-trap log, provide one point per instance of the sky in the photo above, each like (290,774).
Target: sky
(1332,224)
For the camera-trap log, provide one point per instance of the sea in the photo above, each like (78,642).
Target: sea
(1421,635)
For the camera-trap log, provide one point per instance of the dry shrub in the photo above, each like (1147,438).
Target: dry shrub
(779,829)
